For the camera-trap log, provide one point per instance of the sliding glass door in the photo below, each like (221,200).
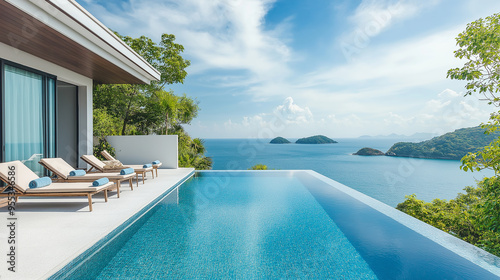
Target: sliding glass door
(28,117)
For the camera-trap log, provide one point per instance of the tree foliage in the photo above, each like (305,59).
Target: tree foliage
(479,44)
(472,216)
(103,145)
(258,167)
(150,109)
(489,156)
(475,215)
(145,109)
(191,151)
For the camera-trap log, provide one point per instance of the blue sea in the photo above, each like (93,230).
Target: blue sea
(387,179)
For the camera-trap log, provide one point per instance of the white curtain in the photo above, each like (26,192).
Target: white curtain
(24,118)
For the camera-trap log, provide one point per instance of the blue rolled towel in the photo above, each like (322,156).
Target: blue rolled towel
(127,171)
(156,162)
(40,182)
(147,165)
(77,173)
(100,182)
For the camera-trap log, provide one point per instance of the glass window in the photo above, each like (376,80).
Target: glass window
(29,117)
(51,117)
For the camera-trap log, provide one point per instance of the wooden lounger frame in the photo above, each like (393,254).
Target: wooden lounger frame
(58,178)
(137,172)
(18,193)
(108,156)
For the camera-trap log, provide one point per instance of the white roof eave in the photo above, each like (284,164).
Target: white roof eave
(76,23)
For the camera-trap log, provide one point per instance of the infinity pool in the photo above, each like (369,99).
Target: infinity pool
(276,224)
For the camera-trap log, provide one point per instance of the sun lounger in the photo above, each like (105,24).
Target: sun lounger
(23,176)
(98,165)
(108,156)
(61,170)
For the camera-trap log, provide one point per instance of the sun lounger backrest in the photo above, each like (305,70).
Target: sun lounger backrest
(107,155)
(57,166)
(23,175)
(95,162)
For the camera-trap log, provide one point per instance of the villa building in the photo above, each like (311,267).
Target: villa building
(51,53)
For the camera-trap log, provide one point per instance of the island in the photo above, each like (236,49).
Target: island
(452,145)
(369,152)
(280,140)
(317,139)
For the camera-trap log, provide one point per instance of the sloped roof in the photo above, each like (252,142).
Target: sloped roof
(64,33)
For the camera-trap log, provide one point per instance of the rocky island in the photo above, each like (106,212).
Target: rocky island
(280,140)
(369,152)
(317,139)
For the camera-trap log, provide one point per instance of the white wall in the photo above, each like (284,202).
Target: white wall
(140,149)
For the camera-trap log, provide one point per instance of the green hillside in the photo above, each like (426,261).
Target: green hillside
(453,145)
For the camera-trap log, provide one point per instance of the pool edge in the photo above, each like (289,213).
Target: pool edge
(460,247)
(59,271)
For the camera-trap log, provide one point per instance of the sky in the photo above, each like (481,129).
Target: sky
(296,68)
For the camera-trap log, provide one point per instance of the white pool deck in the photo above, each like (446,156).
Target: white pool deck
(53,231)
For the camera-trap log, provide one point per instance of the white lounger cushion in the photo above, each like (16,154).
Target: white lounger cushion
(139,168)
(62,170)
(97,175)
(23,175)
(69,187)
(95,162)
(58,166)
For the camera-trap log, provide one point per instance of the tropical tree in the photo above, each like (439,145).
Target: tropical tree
(150,109)
(191,151)
(479,44)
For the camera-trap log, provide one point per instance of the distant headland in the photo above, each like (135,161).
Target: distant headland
(453,145)
(317,139)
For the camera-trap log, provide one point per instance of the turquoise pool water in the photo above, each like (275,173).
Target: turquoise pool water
(254,225)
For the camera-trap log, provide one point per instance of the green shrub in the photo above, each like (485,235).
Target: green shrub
(101,146)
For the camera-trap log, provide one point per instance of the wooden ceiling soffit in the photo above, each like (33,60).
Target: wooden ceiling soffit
(30,35)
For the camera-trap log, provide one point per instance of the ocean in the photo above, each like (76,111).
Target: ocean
(387,179)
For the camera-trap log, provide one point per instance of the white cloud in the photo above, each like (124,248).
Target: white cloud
(285,119)
(415,61)
(216,34)
(293,113)
(448,111)
(372,17)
